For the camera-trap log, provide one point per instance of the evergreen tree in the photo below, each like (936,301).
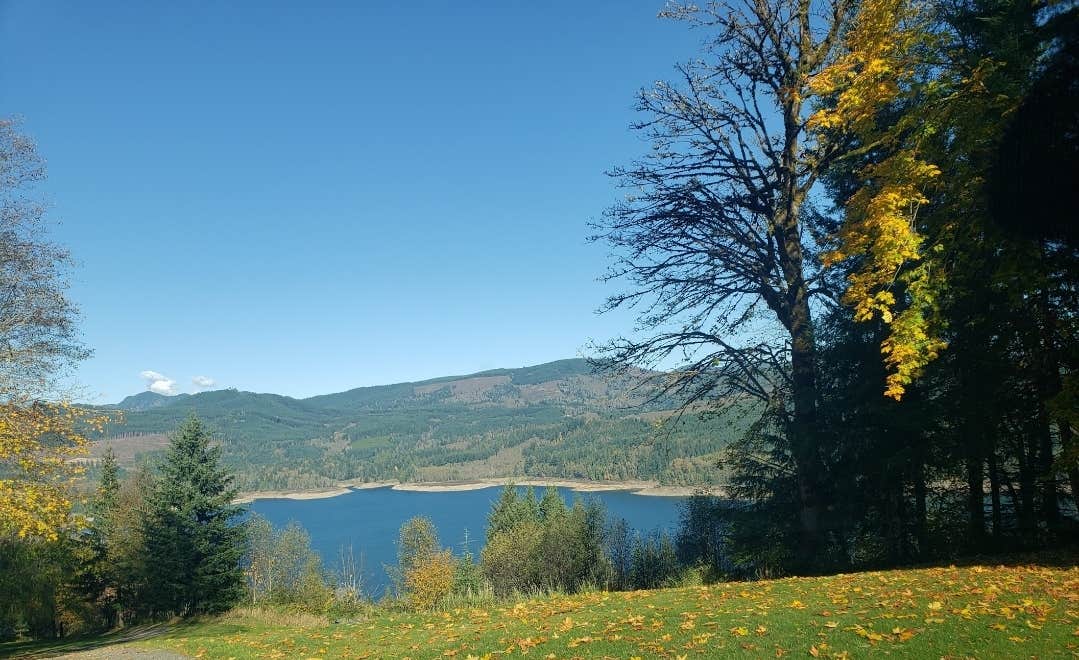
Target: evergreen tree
(96,577)
(552,506)
(655,562)
(501,517)
(193,546)
(511,510)
(467,579)
(700,534)
(619,544)
(529,505)
(545,546)
(108,489)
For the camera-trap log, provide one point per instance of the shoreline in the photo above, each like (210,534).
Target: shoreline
(645,488)
(320,494)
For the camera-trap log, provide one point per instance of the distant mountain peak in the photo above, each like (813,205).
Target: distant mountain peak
(147,400)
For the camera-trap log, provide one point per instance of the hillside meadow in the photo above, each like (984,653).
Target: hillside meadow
(1019,611)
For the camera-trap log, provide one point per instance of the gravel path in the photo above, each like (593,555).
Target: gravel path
(107,648)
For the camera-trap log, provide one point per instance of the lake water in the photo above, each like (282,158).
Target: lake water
(369,520)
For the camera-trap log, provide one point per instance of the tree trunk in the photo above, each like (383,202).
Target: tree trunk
(1027,487)
(973,439)
(1049,384)
(803,434)
(1050,509)
(921,527)
(902,524)
(994,495)
(975,498)
(799,323)
(1067,441)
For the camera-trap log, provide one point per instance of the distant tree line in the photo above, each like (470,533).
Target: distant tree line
(595,446)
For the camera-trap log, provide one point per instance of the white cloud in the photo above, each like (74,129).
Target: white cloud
(159,383)
(203,382)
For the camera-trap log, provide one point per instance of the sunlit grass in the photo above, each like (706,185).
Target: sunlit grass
(1007,612)
(984,612)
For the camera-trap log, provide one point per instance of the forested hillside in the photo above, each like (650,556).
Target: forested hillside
(551,420)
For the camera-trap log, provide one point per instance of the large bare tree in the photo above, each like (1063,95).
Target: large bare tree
(717,238)
(39,346)
(39,339)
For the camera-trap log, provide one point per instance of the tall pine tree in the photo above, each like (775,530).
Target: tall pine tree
(193,545)
(108,489)
(97,576)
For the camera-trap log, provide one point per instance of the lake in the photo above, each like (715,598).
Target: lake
(369,520)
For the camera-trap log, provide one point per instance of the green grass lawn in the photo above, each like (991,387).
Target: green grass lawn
(983,612)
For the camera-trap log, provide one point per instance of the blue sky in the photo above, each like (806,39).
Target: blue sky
(307,197)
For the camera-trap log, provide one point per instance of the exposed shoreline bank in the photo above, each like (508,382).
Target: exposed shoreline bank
(647,488)
(247,498)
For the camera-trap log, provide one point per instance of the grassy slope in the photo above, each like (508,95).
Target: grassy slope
(985,612)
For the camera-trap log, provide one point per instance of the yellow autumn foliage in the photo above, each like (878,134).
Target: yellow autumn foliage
(430,580)
(37,442)
(879,66)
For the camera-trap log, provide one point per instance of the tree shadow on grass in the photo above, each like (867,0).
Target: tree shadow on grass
(1065,556)
(53,648)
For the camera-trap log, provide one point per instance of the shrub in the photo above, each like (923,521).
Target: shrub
(283,569)
(512,560)
(467,579)
(417,541)
(429,580)
(655,563)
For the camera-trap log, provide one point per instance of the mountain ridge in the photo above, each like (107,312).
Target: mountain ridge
(148,399)
(553,420)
